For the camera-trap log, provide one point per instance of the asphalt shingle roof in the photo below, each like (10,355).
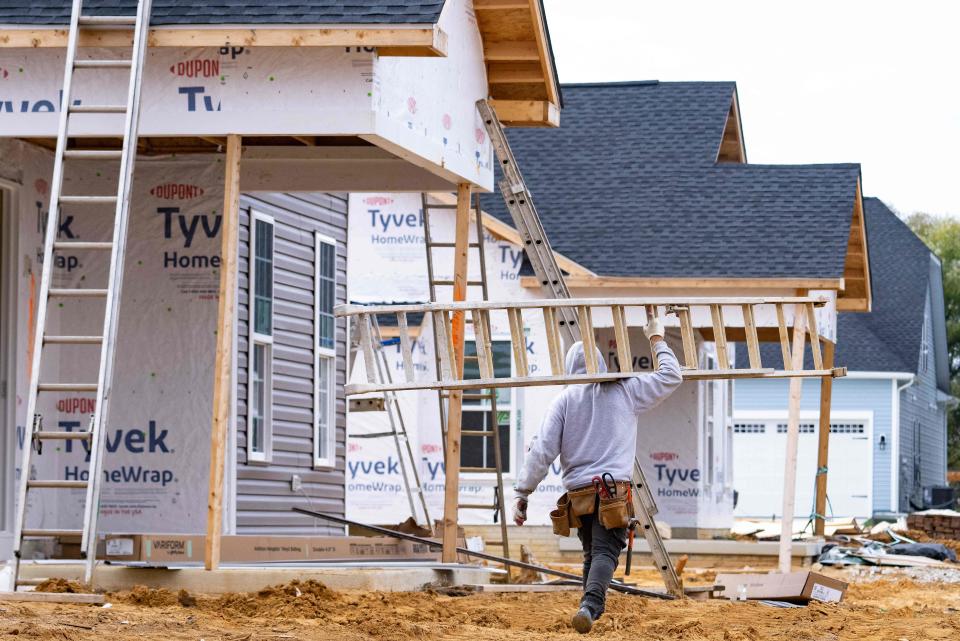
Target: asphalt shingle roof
(170,12)
(629,186)
(888,338)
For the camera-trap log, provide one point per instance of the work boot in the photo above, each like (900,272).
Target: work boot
(583,620)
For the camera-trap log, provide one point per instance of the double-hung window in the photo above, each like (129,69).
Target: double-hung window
(478,415)
(325,358)
(260,338)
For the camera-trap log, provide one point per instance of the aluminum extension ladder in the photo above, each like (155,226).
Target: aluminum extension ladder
(126,156)
(379,366)
(492,430)
(519,203)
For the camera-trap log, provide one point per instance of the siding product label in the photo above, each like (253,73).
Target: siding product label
(157,434)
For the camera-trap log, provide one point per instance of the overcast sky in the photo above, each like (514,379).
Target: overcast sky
(873,82)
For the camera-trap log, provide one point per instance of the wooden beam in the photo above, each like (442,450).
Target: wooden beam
(223,365)
(499,5)
(514,73)
(793,440)
(521,113)
(628,282)
(455,407)
(823,439)
(509,51)
(543,47)
(426,41)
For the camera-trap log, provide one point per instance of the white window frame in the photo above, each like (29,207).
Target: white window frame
(255,339)
(510,460)
(330,356)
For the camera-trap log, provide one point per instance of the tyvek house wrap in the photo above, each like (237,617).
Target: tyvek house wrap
(157,436)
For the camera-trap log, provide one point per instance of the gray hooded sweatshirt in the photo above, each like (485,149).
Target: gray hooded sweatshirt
(593,427)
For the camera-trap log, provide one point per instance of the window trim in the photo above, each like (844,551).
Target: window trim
(511,468)
(329,461)
(254,339)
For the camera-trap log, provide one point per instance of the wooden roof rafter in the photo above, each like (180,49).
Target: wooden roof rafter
(732,148)
(520,73)
(857,295)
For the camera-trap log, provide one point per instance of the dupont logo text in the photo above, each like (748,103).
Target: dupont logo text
(176,191)
(196,68)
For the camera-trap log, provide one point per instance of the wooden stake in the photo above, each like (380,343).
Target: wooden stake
(222,372)
(823,439)
(793,438)
(455,408)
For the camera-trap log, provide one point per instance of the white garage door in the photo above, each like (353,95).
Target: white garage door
(759,447)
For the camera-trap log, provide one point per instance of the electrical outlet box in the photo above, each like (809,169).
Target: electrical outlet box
(296,483)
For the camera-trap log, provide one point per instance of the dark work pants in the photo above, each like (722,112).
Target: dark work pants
(601,552)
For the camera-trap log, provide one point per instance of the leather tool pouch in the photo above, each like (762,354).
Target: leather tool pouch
(561,516)
(614,512)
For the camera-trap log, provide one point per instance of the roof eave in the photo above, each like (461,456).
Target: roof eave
(417,40)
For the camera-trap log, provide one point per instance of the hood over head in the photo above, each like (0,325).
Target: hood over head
(576,363)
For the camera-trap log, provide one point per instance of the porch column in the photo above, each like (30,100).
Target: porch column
(222,372)
(823,437)
(793,437)
(455,405)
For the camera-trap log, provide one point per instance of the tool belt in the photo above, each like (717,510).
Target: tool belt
(615,512)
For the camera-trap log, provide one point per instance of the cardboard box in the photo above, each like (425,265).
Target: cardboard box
(796,587)
(161,549)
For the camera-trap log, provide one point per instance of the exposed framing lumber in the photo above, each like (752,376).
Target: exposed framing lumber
(519,113)
(793,441)
(455,406)
(823,440)
(510,51)
(857,295)
(514,73)
(398,40)
(223,366)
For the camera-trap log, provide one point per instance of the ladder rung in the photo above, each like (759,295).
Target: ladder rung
(67,387)
(73,340)
(93,154)
(473,397)
(62,436)
(79,293)
(88,200)
(102,64)
(51,533)
(476,506)
(476,433)
(75,245)
(446,245)
(101,21)
(98,109)
(449,283)
(500,543)
(441,206)
(40,485)
(376,435)
(478,470)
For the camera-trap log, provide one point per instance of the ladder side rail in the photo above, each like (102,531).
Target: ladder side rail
(395,417)
(431,278)
(50,236)
(645,508)
(115,284)
(498,464)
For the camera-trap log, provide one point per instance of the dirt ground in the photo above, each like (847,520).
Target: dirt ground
(888,608)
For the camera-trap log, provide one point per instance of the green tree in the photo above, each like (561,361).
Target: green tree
(942,235)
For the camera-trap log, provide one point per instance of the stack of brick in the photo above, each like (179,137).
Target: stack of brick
(939,524)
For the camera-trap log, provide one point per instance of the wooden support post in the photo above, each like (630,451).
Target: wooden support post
(793,438)
(223,365)
(455,408)
(823,438)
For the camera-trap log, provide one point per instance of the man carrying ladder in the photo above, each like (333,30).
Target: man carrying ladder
(593,429)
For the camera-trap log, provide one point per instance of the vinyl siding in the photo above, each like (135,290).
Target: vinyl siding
(848,395)
(923,434)
(263,495)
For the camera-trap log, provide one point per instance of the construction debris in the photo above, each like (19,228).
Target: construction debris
(941,524)
(793,587)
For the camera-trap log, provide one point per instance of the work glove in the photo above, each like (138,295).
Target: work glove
(520,510)
(653,328)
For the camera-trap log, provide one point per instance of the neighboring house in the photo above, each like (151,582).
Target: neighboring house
(329,98)
(888,423)
(643,191)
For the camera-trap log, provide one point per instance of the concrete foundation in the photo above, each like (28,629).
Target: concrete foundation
(387,577)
